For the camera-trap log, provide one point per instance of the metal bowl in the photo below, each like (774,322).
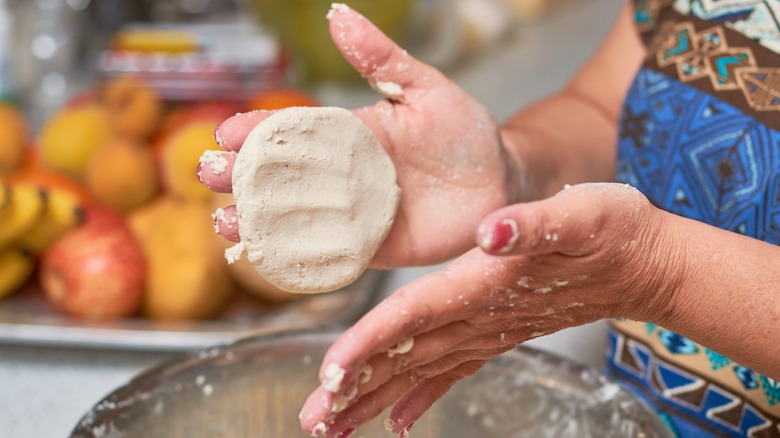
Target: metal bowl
(255,388)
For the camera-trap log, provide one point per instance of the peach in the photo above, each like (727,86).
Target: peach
(134,108)
(122,175)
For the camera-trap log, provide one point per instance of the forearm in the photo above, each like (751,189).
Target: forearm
(728,298)
(557,141)
(571,137)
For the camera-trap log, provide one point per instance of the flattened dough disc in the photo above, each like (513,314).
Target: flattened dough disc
(316,195)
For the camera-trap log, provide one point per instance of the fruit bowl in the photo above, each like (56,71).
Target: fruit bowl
(27,318)
(256,387)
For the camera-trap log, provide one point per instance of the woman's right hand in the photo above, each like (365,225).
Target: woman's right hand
(452,167)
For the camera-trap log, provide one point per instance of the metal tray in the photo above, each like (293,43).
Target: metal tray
(26,318)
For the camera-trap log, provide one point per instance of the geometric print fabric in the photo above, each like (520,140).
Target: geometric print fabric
(699,137)
(699,157)
(694,405)
(726,47)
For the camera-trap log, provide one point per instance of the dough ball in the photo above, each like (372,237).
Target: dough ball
(316,195)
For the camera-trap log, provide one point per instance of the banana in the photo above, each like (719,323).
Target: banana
(27,204)
(15,268)
(63,212)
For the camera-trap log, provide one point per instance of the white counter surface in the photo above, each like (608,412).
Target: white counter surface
(45,390)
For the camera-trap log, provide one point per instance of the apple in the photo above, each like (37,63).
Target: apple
(96,270)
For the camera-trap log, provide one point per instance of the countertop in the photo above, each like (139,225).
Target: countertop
(45,390)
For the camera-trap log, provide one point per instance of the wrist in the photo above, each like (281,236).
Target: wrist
(522,168)
(665,270)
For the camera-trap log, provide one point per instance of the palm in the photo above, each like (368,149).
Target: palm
(447,154)
(445,146)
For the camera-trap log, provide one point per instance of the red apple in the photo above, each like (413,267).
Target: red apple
(97,270)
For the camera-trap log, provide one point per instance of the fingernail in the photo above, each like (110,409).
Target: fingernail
(215,159)
(217,137)
(405,432)
(501,239)
(218,216)
(319,429)
(197,172)
(336,7)
(346,433)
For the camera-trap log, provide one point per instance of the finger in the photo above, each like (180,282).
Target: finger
(422,306)
(376,57)
(226,223)
(565,223)
(372,404)
(435,352)
(316,410)
(429,348)
(231,133)
(215,170)
(419,399)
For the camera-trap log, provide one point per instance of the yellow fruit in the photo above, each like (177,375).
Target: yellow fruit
(26,207)
(14,138)
(72,136)
(187,276)
(134,108)
(63,212)
(15,268)
(122,175)
(5,196)
(180,155)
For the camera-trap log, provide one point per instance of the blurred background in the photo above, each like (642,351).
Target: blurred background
(50,50)
(106,107)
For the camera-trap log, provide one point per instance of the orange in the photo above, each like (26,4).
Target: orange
(122,175)
(278,98)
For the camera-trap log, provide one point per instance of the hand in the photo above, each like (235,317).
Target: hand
(451,165)
(592,251)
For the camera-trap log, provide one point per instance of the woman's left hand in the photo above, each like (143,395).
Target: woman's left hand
(590,252)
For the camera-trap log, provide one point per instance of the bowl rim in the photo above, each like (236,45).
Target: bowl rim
(145,381)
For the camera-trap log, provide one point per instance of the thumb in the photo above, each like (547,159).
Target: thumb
(389,68)
(567,223)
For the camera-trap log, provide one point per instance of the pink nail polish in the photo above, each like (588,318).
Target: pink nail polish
(217,137)
(502,238)
(198,172)
(218,216)
(346,433)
